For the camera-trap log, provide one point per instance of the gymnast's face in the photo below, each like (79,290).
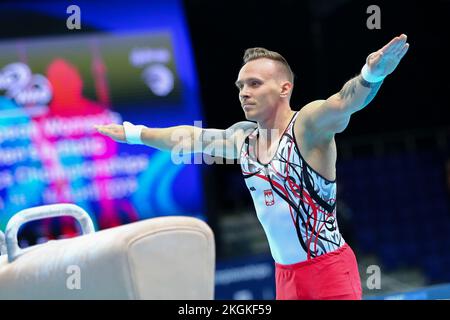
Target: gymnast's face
(260,83)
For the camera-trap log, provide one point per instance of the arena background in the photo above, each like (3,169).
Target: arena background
(162,63)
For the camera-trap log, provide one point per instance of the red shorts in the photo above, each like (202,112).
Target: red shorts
(331,276)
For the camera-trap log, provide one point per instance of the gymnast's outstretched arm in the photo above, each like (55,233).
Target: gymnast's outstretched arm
(325,118)
(215,142)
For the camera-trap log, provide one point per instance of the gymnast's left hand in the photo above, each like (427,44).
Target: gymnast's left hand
(384,61)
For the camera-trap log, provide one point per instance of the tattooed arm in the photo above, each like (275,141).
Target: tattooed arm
(357,93)
(324,118)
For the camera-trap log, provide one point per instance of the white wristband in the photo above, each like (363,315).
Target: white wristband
(369,77)
(132,133)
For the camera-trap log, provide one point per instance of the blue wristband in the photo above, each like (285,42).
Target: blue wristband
(369,77)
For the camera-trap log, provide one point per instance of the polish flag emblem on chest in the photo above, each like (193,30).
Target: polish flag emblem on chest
(268,196)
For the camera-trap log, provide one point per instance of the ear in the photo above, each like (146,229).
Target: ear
(286,88)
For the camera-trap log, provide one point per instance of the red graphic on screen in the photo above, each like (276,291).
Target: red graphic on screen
(67,88)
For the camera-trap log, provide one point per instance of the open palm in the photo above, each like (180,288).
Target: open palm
(385,60)
(114,131)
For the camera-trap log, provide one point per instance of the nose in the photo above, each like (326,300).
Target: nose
(243,94)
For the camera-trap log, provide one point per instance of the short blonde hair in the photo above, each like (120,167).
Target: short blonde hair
(260,53)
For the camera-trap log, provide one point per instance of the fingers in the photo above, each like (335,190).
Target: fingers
(105,129)
(395,45)
(374,57)
(398,47)
(113,131)
(101,129)
(403,51)
(388,47)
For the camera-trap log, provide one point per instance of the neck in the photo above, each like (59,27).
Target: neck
(276,123)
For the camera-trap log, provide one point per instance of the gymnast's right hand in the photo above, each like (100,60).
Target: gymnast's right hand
(114,131)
